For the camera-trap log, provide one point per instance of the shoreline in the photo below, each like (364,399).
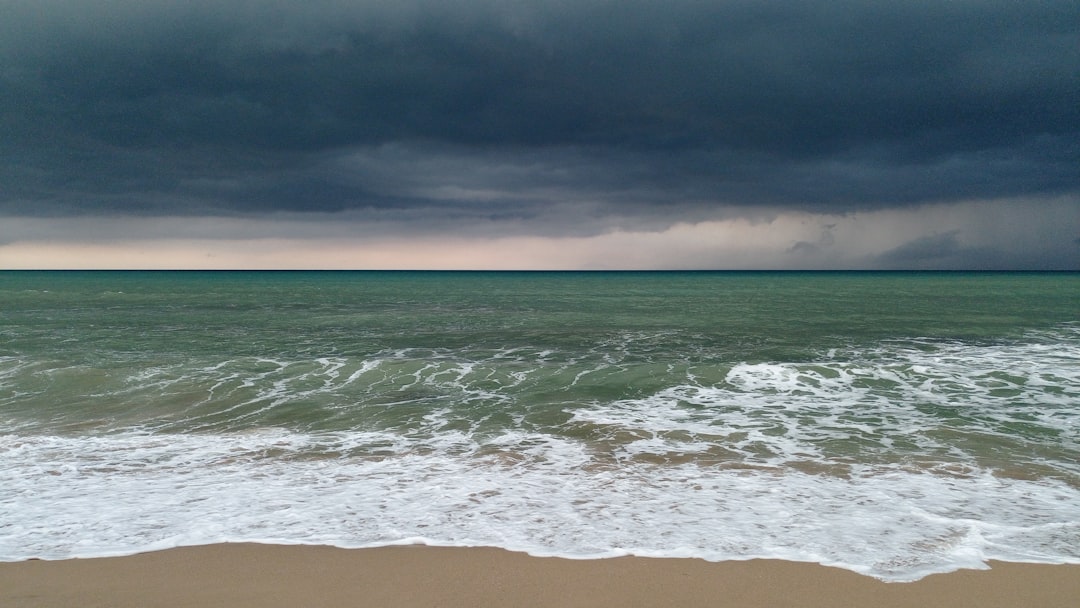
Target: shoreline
(244,574)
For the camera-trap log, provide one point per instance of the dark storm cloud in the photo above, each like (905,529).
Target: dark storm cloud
(501,109)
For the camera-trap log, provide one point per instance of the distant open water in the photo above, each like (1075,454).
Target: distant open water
(895,424)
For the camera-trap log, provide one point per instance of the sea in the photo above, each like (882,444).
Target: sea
(896,424)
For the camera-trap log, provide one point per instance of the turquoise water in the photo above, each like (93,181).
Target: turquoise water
(896,424)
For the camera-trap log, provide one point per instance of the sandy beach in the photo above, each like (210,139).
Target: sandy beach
(241,575)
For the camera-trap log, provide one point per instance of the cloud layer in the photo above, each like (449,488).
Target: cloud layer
(537,117)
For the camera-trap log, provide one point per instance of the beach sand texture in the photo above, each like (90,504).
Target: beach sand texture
(241,575)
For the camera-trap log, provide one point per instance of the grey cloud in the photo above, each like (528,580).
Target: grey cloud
(804,248)
(946,250)
(629,112)
(807,248)
(931,247)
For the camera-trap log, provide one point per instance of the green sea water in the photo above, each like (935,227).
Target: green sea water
(717,414)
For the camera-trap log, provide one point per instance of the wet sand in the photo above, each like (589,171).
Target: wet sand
(267,576)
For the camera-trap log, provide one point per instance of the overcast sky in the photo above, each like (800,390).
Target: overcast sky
(540,134)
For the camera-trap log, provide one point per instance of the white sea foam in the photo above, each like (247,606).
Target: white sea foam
(777,413)
(89,496)
(873,461)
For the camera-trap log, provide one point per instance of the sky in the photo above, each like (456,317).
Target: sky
(540,134)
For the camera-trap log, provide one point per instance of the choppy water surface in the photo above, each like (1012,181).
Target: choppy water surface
(895,424)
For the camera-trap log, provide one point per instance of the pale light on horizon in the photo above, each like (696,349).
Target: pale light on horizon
(918,237)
